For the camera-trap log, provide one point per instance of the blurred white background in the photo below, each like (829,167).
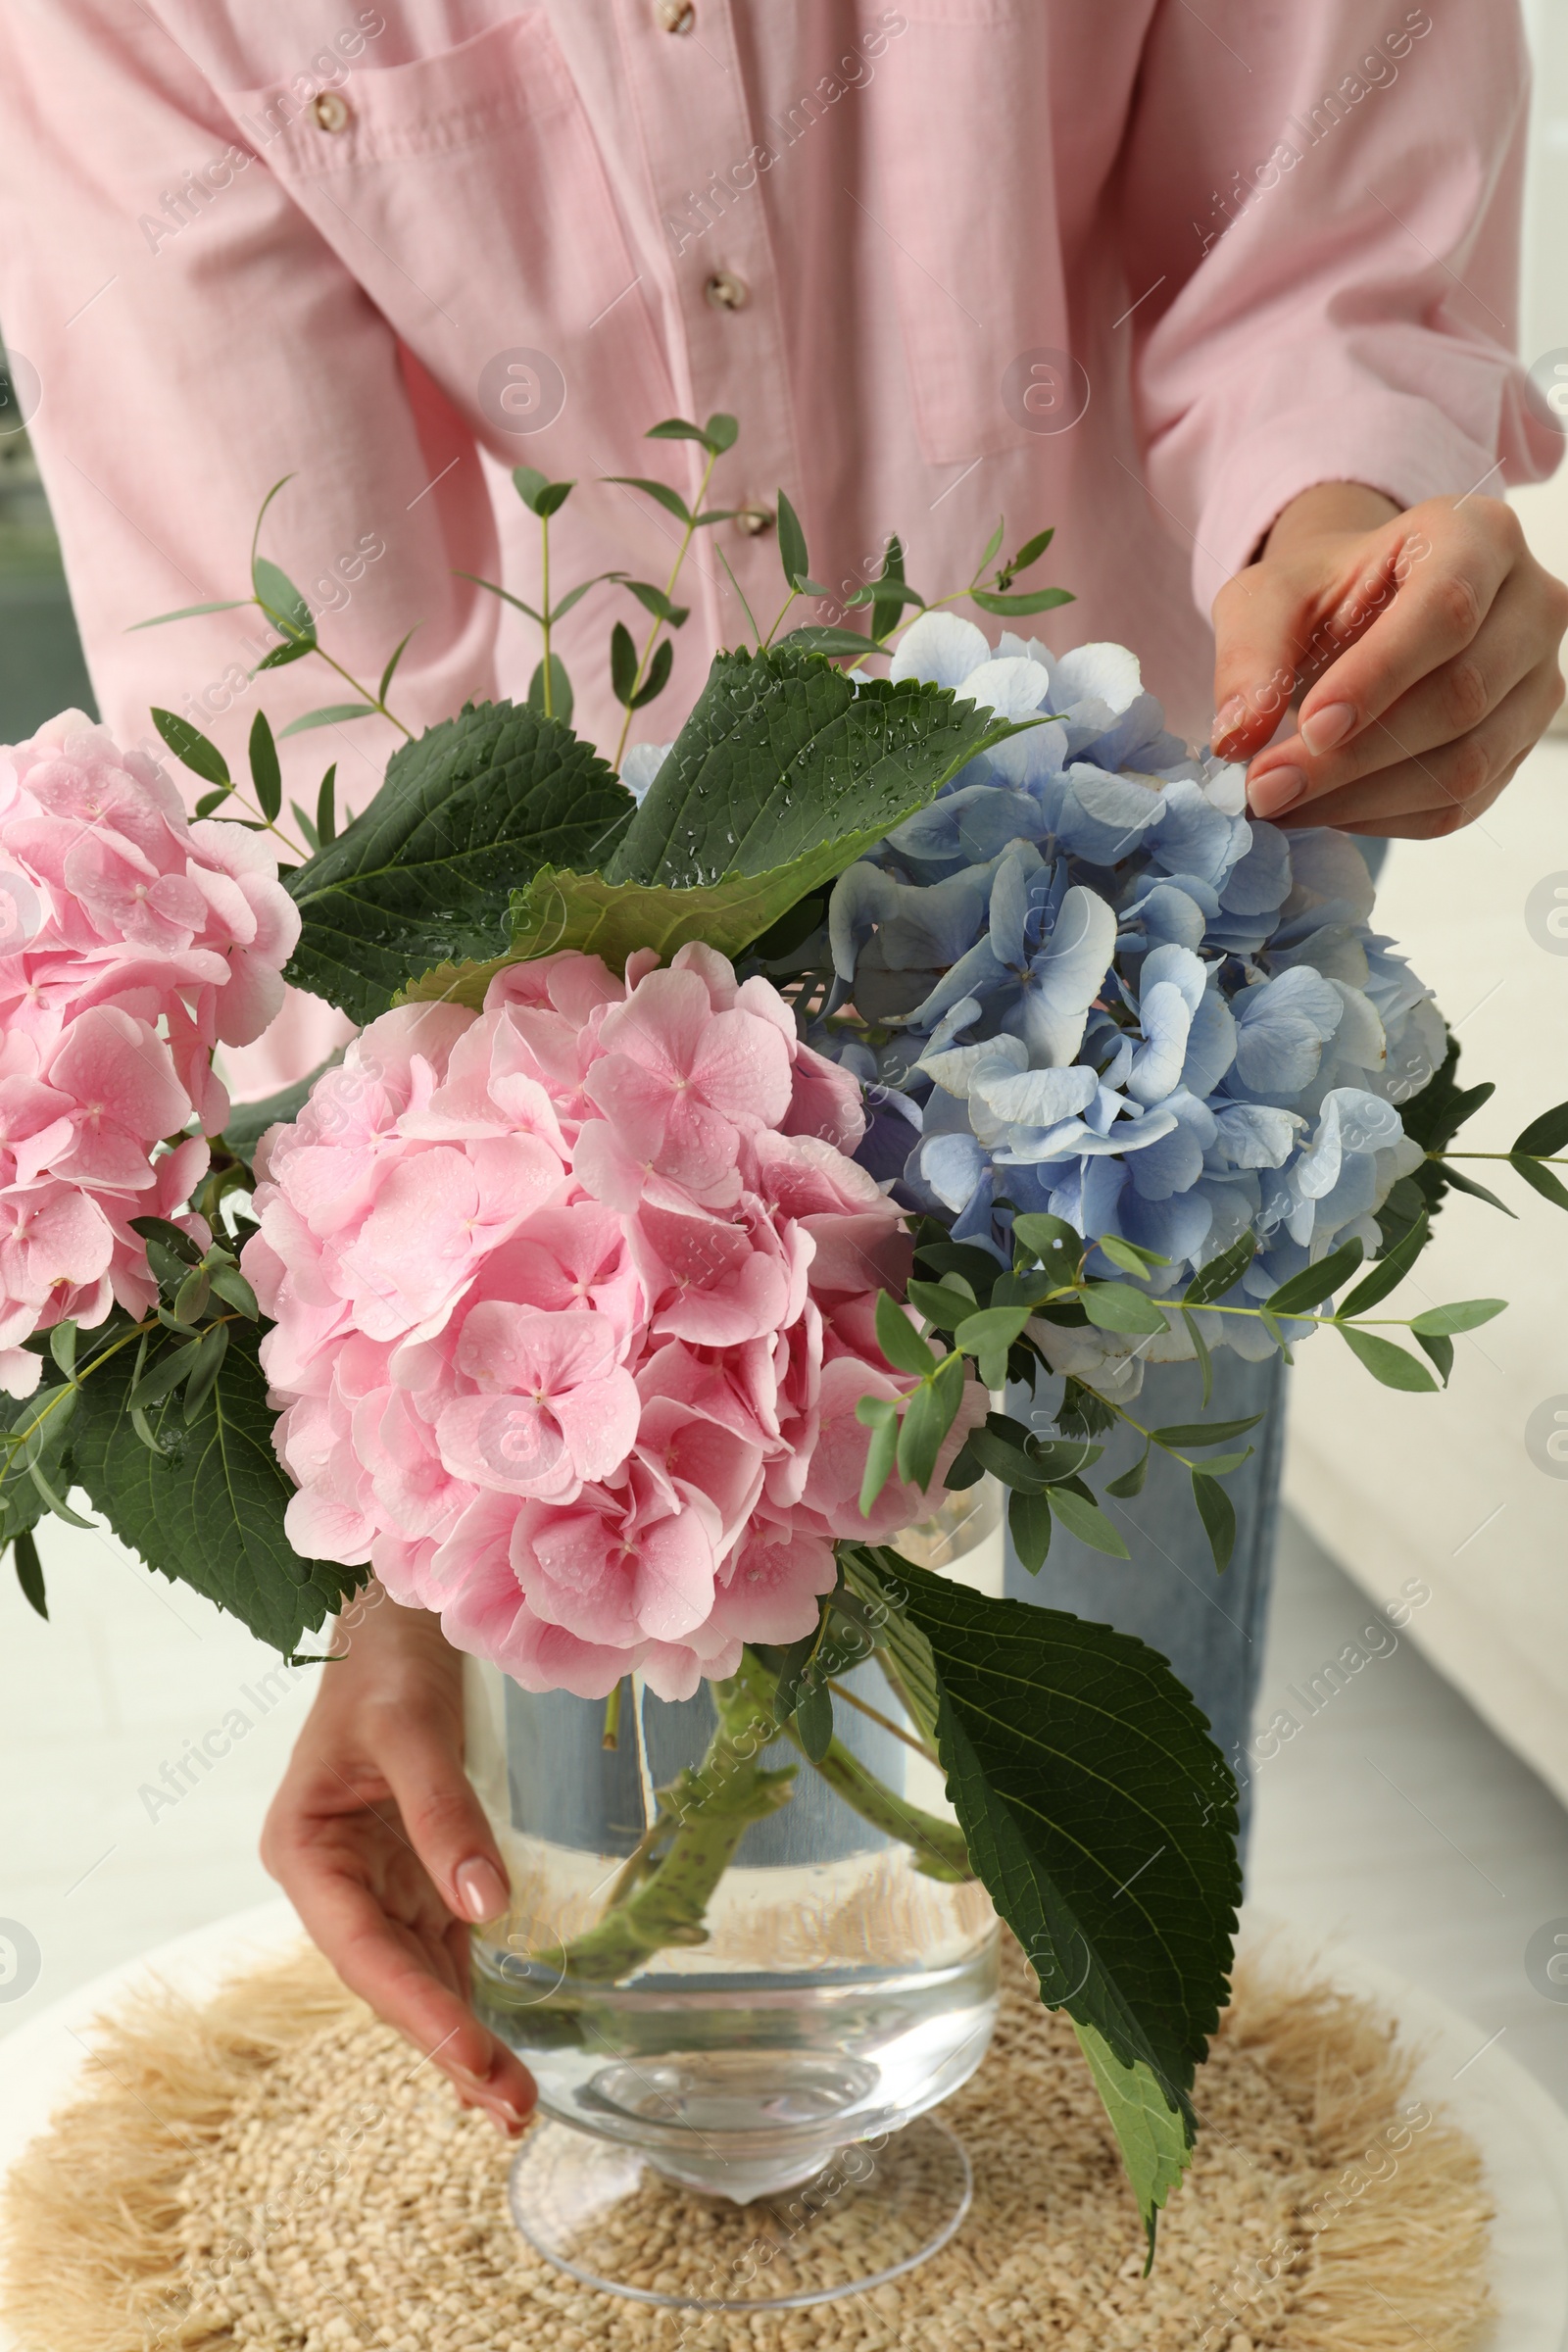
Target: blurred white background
(1415,1811)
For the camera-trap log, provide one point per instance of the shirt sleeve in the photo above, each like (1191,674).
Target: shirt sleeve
(1320,226)
(193,339)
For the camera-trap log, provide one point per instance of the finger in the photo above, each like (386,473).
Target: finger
(1445,706)
(1451,784)
(444,1820)
(1259,622)
(391,1968)
(1444,575)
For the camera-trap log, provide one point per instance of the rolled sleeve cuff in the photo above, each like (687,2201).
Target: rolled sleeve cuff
(1391,441)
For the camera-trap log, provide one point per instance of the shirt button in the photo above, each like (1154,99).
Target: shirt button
(727,292)
(332,110)
(754,520)
(675,16)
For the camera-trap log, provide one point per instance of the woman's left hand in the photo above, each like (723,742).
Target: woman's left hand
(1427,645)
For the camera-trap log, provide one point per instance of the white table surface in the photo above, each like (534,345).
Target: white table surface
(1522,2134)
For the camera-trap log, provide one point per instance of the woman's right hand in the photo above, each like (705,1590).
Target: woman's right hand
(379,1842)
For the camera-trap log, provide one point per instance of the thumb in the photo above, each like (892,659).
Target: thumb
(445,1822)
(1261,626)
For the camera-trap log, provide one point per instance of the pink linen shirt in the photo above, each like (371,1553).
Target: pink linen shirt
(1138,268)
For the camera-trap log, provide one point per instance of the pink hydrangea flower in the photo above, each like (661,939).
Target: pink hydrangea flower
(574,1302)
(131,943)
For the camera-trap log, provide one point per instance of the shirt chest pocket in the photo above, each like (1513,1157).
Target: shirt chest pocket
(467,194)
(967,213)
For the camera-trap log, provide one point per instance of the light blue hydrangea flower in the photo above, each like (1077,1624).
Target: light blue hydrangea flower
(1084,981)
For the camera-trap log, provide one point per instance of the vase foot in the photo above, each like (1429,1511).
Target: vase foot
(607,2215)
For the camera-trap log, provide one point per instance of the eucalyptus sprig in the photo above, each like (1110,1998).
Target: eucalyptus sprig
(283,606)
(977,1312)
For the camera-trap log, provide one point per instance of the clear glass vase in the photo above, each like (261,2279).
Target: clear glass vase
(727,1964)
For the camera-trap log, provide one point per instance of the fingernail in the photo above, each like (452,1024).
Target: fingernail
(482,1890)
(1278,790)
(1328,726)
(1227,719)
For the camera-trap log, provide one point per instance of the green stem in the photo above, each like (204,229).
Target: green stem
(1543,1159)
(670,593)
(704,1814)
(876,1715)
(939,1844)
(544,599)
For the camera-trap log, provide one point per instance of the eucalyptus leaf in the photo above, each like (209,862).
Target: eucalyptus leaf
(1029,1525)
(1386,1362)
(1218,1514)
(191,748)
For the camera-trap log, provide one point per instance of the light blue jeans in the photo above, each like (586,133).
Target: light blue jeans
(1210,1627)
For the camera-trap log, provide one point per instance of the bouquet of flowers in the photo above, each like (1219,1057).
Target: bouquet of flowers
(722,1139)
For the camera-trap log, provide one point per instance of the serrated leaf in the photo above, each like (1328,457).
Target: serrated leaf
(1546,1135)
(824,640)
(191,748)
(1150,2129)
(1097,1811)
(1029,1525)
(1386,1362)
(1466,1314)
(1116,1306)
(1390,1270)
(1544,1181)
(1221,1274)
(671,499)
(784,765)
(209,1512)
(1308,1289)
(1087,1522)
(1016,607)
(424,875)
(1218,1514)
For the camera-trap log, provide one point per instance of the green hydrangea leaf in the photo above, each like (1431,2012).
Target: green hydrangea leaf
(425,874)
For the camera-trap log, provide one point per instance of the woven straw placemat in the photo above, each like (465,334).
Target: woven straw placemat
(276,2171)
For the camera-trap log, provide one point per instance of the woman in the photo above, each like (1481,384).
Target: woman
(1226,295)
